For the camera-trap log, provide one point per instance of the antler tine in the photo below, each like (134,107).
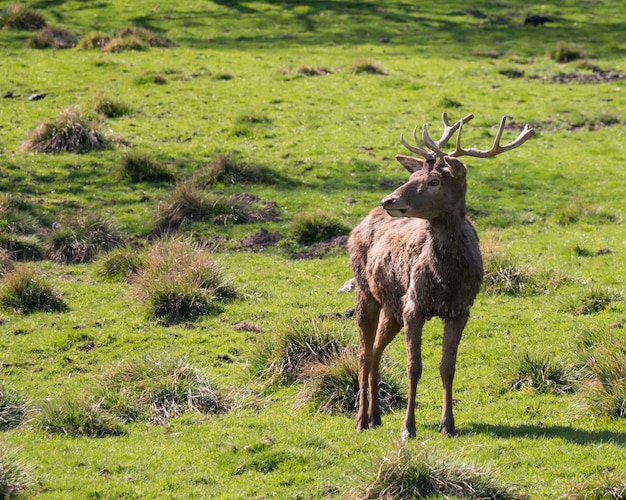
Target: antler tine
(496,149)
(418,150)
(445,136)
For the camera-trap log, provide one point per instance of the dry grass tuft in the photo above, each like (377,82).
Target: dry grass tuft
(53,38)
(24,291)
(70,133)
(135,38)
(20,17)
(181,281)
(405,475)
(156,390)
(83,238)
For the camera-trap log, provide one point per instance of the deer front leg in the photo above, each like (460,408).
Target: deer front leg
(414,371)
(453,329)
(388,328)
(368,311)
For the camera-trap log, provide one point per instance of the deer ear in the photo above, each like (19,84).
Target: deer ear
(410,163)
(454,166)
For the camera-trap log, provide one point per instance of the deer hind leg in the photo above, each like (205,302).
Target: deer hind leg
(453,329)
(368,310)
(388,328)
(413,329)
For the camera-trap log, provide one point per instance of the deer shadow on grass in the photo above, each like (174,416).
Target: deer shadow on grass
(569,433)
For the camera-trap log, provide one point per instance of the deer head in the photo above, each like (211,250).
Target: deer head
(437,184)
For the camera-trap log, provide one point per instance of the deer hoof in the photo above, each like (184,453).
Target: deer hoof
(407,434)
(446,432)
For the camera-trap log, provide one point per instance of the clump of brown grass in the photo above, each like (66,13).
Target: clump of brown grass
(230,170)
(24,291)
(20,17)
(82,238)
(405,475)
(369,67)
(69,133)
(188,203)
(604,392)
(156,390)
(135,38)
(180,281)
(53,38)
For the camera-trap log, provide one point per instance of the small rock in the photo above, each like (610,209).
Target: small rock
(347,287)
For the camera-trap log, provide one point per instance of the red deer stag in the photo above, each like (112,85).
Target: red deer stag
(414,258)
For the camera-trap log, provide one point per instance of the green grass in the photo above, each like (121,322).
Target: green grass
(244,117)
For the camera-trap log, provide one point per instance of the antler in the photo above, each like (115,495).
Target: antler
(496,149)
(435,146)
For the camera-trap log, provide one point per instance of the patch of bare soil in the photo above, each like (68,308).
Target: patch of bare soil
(259,241)
(584,78)
(319,250)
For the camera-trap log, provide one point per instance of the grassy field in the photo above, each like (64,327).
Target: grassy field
(311,97)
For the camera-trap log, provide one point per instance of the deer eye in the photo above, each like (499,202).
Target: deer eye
(434,182)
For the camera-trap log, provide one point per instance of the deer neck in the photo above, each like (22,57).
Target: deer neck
(447,232)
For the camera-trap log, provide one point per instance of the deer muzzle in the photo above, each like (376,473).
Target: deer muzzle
(389,204)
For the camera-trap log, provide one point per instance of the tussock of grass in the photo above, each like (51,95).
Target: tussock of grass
(141,167)
(605,390)
(15,477)
(333,386)
(188,203)
(72,418)
(369,67)
(24,291)
(229,170)
(53,38)
(83,238)
(566,52)
(18,215)
(156,390)
(317,227)
(13,408)
(122,264)
(70,133)
(591,301)
(20,17)
(287,356)
(503,277)
(135,38)
(19,230)
(605,486)
(6,262)
(307,70)
(110,107)
(405,475)
(541,373)
(22,247)
(180,281)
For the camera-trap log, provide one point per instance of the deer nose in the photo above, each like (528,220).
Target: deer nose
(387,202)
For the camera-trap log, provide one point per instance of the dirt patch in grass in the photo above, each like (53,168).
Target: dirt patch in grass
(320,250)
(584,78)
(260,240)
